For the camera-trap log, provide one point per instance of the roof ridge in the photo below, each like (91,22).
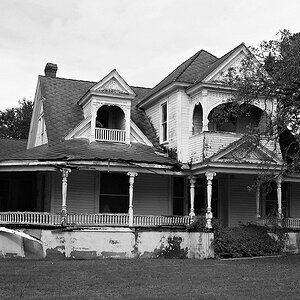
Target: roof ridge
(140,87)
(192,60)
(176,69)
(71,79)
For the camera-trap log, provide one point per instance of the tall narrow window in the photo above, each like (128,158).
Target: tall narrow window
(164,122)
(178,196)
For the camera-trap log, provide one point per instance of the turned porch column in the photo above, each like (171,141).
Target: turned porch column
(65,174)
(209,177)
(279,197)
(257,198)
(192,195)
(130,210)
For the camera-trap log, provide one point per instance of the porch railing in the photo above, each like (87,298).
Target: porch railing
(149,220)
(291,223)
(44,218)
(98,219)
(30,218)
(110,135)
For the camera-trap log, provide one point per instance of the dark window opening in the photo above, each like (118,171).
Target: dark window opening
(114,193)
(178,196)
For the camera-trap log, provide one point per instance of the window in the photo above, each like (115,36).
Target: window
(164,122)
(114,193)
(178,196)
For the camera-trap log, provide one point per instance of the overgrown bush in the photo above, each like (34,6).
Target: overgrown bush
(248,240)
(199,225)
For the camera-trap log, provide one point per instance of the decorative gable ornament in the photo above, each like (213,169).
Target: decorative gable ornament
(242,152)
(112,86)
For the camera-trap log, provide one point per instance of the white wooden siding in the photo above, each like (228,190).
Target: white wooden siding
(154,113)
(241,201)
(184,127)
(80,194)
(151,195)
(294,199)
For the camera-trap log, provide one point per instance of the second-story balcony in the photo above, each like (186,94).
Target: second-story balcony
(110,135)
(206,144)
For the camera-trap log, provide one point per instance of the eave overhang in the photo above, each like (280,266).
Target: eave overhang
(163,92)
(105,166)
(236,168)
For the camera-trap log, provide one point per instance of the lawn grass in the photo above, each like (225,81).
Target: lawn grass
(267,278)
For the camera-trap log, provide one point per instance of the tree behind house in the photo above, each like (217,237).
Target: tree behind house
(273,72)
(15,122)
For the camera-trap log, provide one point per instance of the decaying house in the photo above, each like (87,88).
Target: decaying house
(109,154)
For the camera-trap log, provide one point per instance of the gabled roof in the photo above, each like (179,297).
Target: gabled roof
(188,72)
(82,150)
(62,113)
(217,63)
(246,151)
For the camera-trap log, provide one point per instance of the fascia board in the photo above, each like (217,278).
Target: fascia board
(161,93)
(140,134)
(78,127)
(34,117)
(192,91)
(226,62)
(85,99)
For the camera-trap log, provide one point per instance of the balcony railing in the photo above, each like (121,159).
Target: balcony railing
(110,135)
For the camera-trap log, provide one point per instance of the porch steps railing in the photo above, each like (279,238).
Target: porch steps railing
(110,135)
(30,218)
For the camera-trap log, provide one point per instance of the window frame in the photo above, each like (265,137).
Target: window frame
(164,123)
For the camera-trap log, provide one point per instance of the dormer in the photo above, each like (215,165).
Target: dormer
(107,106)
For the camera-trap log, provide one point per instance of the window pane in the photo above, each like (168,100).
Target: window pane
(114,183)
(164,112)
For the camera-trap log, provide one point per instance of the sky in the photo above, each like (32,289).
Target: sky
(143,39)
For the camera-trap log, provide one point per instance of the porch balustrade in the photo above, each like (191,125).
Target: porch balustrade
(48,219)
(43,218)
(110,135)
(160,220)
(291,223)
(97,219)
(30,218)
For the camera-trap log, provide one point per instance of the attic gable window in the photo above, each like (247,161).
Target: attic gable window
(164,123)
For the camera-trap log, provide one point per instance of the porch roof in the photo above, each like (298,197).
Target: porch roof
(81,149)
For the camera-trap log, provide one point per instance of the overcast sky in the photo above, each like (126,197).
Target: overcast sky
(143,40)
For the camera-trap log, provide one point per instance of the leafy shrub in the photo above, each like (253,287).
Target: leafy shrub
(248,240)
(199,224)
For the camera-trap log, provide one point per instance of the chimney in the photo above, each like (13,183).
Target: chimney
(50,70)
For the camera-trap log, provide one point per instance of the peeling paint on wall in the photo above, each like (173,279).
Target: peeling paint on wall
(100,244)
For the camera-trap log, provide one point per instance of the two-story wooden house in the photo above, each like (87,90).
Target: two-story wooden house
(95,155)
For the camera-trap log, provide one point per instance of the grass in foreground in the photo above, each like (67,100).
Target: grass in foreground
(267,278)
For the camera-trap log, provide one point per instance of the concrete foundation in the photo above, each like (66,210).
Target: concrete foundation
(106,243)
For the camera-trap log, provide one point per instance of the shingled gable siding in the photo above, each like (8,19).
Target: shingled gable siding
(151,195)
(294,199)
(81,191)
(241,202)
(154,112)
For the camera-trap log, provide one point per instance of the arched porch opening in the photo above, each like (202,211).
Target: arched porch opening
(231,117)
(110,124)
(197,119)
